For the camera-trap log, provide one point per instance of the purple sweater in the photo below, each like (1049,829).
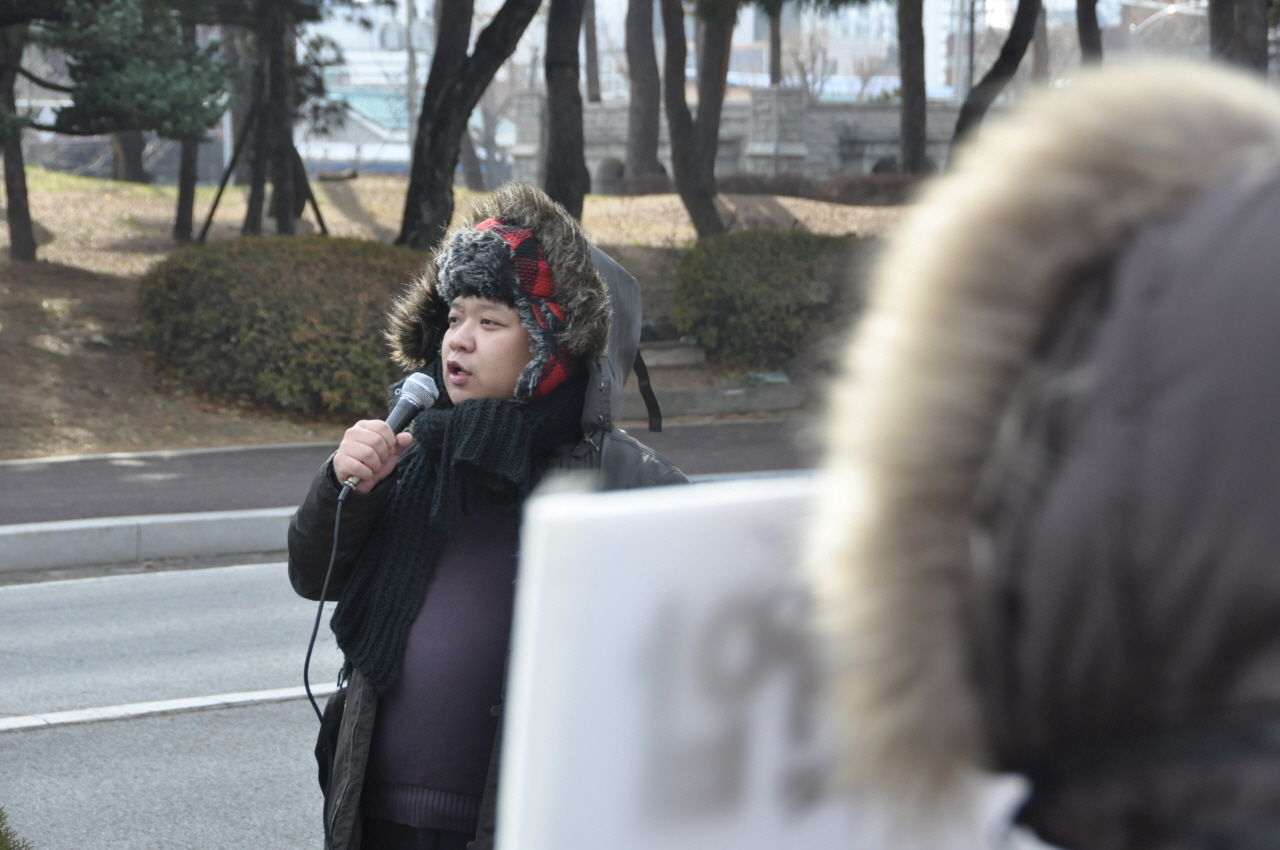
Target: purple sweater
(434,730)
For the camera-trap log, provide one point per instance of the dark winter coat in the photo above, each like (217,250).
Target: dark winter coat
(605,331)
(1051,540)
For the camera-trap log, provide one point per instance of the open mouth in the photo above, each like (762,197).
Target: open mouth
(455,369)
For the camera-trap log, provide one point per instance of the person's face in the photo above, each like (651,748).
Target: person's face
(485,349)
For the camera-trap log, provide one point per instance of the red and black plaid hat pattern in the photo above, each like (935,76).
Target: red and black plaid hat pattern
(542,316)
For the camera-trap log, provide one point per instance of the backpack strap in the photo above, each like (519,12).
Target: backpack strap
(646,392)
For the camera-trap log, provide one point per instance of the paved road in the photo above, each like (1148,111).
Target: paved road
(125,639)
(278,476)
(233,777)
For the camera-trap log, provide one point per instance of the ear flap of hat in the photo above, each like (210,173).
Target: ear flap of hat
(416,322)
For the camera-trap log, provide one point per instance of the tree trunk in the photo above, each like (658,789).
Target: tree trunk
(646,92)
(1250,47)
(239,51)
(411,69)
(566,178)
(713,74)
(1040,50)
(127,147)
(592,50)
(261,137)
(1222,29)
(279,117)
(775,47)
(187,165)
(186,190)
(454,87)
(429,201)
(22,240)
(913,124)
(471,171)
(1089,31)
(692,162)
(993,82)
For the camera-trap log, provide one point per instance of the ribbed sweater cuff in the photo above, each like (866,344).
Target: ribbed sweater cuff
(424,808)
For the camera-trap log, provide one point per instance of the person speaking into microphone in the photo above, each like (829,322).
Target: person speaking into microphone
(531,332)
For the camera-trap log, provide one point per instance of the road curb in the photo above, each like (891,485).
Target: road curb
(110,540)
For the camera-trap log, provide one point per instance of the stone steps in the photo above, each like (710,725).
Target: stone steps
(685,386)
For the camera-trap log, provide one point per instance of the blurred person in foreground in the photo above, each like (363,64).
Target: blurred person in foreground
(514,319)
(1048,537)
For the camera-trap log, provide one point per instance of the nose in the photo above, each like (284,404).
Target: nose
(462,337)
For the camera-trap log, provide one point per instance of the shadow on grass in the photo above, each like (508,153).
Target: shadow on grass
(756,212)
(342,196)
(42,234)
(155,236)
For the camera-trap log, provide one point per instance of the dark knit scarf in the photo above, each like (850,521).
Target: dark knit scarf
(465,459)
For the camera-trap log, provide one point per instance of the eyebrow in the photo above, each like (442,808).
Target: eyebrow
(486,306)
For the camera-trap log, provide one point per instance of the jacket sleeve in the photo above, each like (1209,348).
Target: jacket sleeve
(625,462)
(311,533)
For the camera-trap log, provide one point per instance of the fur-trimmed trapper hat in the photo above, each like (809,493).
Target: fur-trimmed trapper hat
(520,248)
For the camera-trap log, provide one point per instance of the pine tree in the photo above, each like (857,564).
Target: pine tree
(130,67)
(9,839)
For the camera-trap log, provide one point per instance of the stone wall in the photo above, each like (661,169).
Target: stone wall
(91,156)
(775,131)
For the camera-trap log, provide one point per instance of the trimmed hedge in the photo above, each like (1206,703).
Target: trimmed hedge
(756,299)
(891,189)
(292,322)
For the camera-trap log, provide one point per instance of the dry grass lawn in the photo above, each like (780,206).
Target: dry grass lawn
(71,381)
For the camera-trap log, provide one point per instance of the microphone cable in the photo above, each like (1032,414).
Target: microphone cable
(315,630)
(324,591)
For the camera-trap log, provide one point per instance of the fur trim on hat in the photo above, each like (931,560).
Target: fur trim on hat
(477,262)
(417,319)
(962,293)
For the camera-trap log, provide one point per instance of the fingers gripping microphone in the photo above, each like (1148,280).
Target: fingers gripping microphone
(417,393)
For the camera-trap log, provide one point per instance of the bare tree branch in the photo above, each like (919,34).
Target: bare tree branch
(44,84)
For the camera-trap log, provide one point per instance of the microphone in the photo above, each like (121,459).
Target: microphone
(417,393)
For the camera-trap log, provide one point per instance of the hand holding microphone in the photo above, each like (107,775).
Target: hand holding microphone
(370,448)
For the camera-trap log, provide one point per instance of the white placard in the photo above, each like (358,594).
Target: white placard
(662,694)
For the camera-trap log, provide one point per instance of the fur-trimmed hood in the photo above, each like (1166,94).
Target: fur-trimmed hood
(966,288)
(601,300)
(417,320)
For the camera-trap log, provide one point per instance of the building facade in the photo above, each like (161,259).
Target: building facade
(773,131)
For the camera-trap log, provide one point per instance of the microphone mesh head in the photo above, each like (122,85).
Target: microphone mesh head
(420,389)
